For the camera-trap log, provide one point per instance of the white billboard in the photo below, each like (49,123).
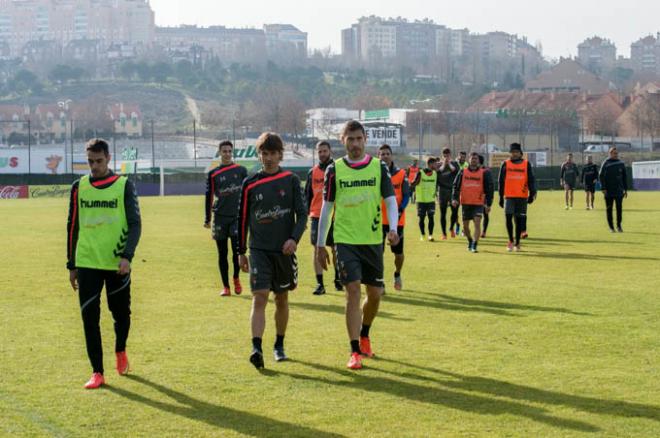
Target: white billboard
(379,135)
(38,159)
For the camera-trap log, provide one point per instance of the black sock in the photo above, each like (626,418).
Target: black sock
(519,229)
(365,331)
(509,226)
(336,274)
(355,347)
(256,344)
(397,274)
(319,279)
(279,341)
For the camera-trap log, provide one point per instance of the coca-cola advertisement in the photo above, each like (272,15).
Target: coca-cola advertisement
(14,192)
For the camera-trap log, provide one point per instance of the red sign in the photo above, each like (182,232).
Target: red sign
(13,192)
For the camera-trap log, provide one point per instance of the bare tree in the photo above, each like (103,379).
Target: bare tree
(651,115)
(369,99)
(92,117)
(602,120)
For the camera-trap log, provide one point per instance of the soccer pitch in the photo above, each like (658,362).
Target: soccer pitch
(562,339)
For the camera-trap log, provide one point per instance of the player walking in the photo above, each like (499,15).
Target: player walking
(569,176)
(354,186)
(273,213)
(104,228)
(473,188)
(425,187)
(517,187)
(589,179)
(402,193)
(224,185)
(314,197)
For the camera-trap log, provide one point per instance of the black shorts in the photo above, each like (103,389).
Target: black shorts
(425,208)
(472,211)
(273,271)
(225,227)
(515,206)
(314,233)
(569,186)
(398,249)
(591,188)
(363,263)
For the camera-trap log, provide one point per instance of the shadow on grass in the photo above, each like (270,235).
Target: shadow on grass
(554,241)
(574,241)
(501,388)
(449,302)
(340,310)
(335,308)
(576,256)
(477,404)
(218,416)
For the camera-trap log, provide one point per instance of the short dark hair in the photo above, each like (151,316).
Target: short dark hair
(475,153)
(98,145)
(269,141)
(446,151)
(515,147)
(430,161)
(482,160)
(323,143)
(462,153)
(385,147)
(352,125)
(226,143)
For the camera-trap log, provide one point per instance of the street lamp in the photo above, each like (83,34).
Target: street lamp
(64,104)
(416,102)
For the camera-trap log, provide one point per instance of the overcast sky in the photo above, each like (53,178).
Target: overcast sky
(558,24)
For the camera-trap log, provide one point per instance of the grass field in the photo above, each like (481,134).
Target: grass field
(562,339)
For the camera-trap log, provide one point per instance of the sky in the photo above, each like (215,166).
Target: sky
(559,25)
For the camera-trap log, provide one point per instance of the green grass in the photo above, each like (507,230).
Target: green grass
(559,340)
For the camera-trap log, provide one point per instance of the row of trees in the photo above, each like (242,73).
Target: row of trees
(645,116)
(26,83)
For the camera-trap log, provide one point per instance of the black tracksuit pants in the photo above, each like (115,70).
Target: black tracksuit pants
(118,290)
(610,202)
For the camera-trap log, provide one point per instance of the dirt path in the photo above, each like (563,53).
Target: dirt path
(194,110)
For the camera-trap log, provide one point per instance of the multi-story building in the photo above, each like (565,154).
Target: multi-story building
(496,54)
(416,40)
(373,38)
(63,21)
(230,45)
(274,41)
(496,45)
(285,41)
(597,54)
(645,54)
(435,49)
